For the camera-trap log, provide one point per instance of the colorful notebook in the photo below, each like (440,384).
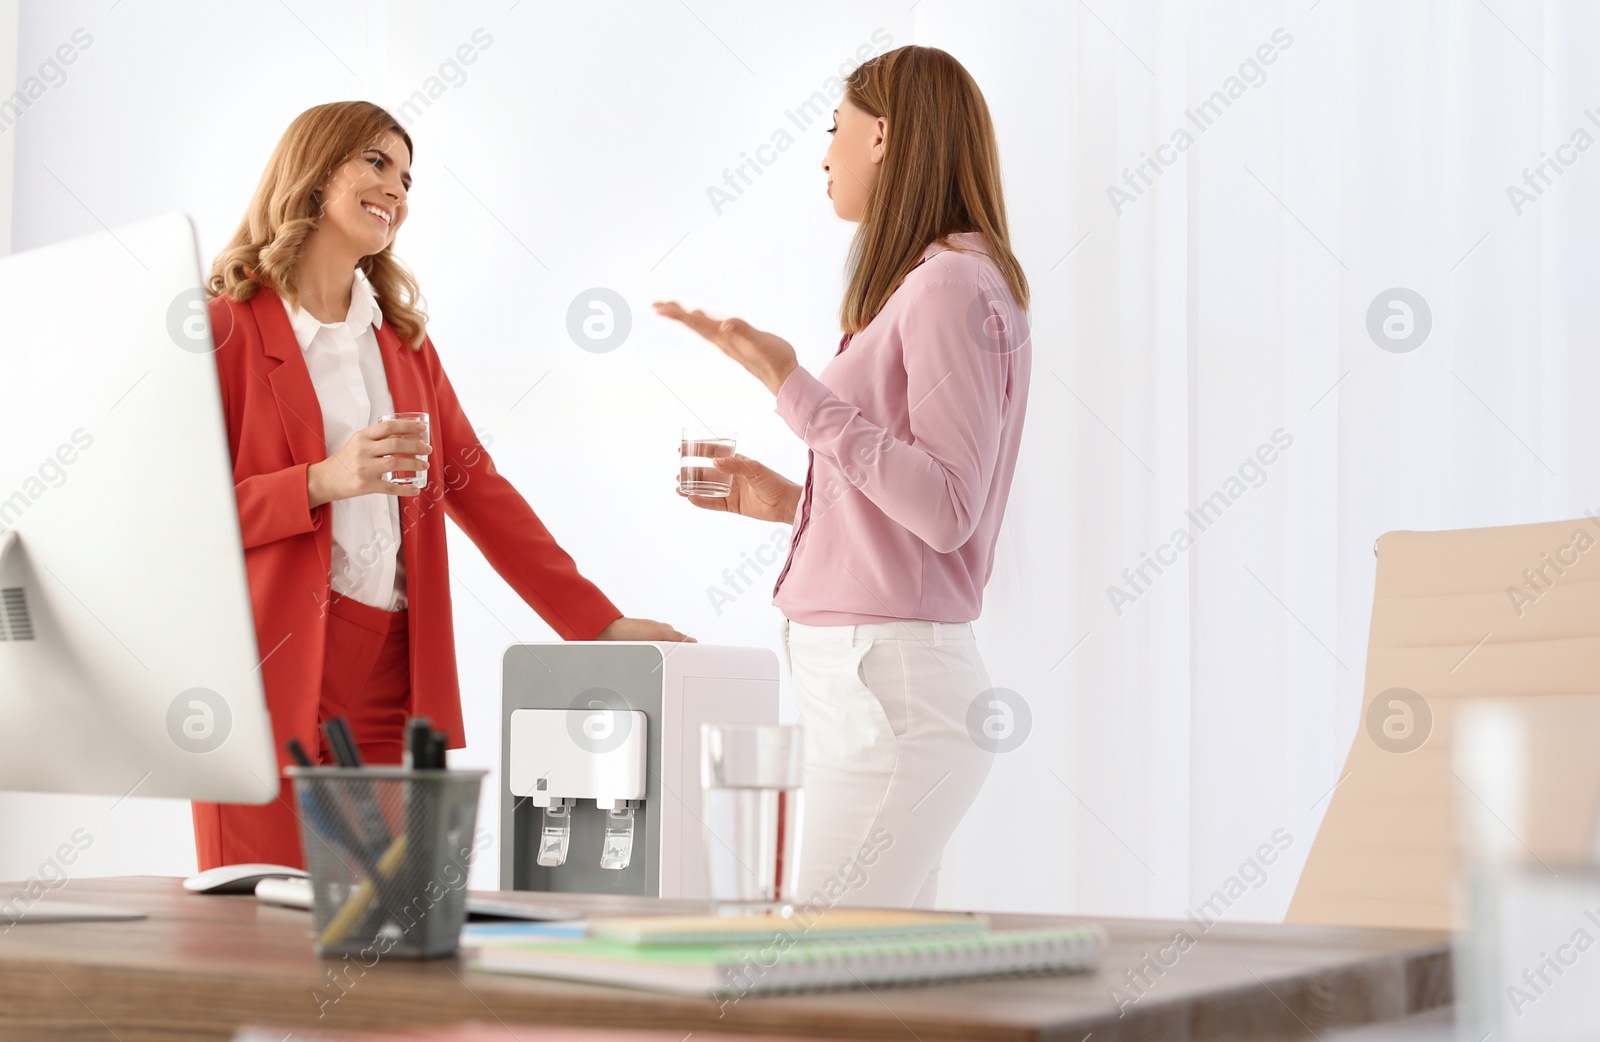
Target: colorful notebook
(834,924)
(782,963)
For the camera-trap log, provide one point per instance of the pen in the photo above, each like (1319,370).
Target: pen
(355,907)
(426,749)
(327,824)
(417,733)
(298,751)
(340,741)
(375,836)
(374,829)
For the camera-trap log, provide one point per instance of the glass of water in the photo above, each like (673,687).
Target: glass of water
(751,777)
(419,478)
(697,474)
(1528,803)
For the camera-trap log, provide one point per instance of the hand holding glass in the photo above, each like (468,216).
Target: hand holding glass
(417,478)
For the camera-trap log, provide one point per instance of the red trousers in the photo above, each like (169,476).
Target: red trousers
(366,678)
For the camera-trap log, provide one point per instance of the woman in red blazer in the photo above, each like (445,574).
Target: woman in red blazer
(318,333)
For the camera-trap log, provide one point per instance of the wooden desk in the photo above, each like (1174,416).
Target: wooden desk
(200,966)
(1436,1025)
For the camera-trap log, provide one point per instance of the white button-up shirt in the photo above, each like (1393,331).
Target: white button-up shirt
(353,391)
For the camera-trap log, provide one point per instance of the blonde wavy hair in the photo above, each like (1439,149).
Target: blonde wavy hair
(940,175)
(288,204)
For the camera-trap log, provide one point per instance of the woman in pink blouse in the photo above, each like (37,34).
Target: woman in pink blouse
(913,430)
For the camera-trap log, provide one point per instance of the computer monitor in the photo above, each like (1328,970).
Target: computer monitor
(128,658)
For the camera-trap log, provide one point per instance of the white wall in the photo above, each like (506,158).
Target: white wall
(576,153)
(9,10)
(1172,337)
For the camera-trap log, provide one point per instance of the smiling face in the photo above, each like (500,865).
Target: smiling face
(855,155)
(364,202)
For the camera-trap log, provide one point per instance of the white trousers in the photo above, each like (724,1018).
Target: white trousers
(891,768)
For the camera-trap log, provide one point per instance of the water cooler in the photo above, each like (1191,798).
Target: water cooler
(600,760)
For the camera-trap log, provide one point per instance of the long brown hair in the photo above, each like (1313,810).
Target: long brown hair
(288,204)
(940,175)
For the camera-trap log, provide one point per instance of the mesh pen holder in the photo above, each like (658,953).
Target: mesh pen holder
(388,849)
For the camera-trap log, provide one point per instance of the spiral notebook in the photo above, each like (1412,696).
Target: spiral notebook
(783,963)
(837,925)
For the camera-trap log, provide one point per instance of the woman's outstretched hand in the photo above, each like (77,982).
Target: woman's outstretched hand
(641,629)
(769,358)
(756,491)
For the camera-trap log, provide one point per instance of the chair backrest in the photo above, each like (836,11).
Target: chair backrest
(1501,612)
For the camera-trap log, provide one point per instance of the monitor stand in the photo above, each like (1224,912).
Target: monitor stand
(47,911)
(16,623)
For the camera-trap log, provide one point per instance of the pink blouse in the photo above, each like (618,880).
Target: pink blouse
(913,430)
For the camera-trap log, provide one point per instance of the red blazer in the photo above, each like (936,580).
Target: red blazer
(275,433)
